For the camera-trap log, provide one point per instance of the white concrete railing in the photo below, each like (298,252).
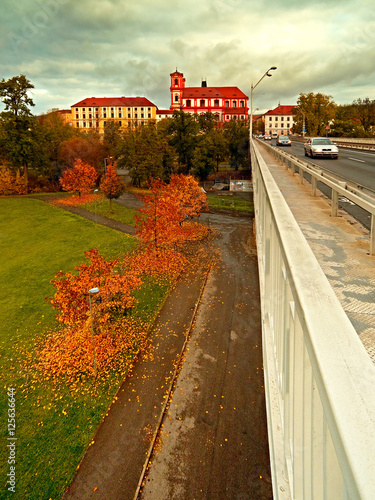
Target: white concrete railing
(319,380)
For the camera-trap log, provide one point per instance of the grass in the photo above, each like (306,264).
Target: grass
(119,212)
(227,202)
(53,427)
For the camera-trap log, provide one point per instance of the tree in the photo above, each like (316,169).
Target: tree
(365,112)
(111,184)
(80,178)
(16,137)
(145,152)
(183,130)
(70,299)
(89,149)
(13,93)
(160,223)
(316,111)
(191,199)
(237,136)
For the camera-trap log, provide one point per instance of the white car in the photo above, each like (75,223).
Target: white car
(321,147)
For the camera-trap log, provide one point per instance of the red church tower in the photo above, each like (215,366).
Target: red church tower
(177,86)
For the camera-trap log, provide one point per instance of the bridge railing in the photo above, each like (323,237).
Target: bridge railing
(319,380)
(349,190)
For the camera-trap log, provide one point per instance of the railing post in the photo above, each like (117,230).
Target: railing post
(372,235)
(335,203)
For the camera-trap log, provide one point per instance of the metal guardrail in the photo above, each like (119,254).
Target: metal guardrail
(319,380)
(349,190)
(346,142)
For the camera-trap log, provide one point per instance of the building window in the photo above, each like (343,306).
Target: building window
(288,119)
(234,104)
(227,117)
(97,124)
(129,116)
(77,125)
(84,124)
(90,124)
(149,115)
(84,115)
(104,115)
(112,115)
(216,102)
(276,118)
(120,123)
(142,115)
(282,118)
(83,109)
(188,103)
(77,116)
(202,103)
(175,82)
(136,115)
(227,104)
(242,104)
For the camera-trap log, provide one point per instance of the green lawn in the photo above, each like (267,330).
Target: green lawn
(53,427)
(118,212)
(227,202)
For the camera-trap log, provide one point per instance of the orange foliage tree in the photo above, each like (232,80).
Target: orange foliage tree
(111,184)
(71,297)
(12,183)
(159,223)
(80,178)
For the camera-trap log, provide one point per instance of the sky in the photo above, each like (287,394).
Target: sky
(71,49)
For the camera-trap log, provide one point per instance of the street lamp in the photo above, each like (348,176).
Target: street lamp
(267,73)
(91,292)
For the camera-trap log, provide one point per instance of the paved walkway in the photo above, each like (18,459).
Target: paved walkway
(341,246)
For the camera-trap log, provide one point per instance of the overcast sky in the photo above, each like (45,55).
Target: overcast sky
(72,49)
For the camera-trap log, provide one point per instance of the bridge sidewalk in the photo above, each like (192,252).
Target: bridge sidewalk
(341,246)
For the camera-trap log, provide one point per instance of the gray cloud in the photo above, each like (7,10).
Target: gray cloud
(71,50)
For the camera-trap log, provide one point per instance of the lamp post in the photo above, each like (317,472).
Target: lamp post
(267,73)
(91,292)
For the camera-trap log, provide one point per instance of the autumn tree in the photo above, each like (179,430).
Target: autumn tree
(71,297)
(89,149)
(316,111)
(364,110)
(191,200)
(80,178)
(160,222)
(111,184)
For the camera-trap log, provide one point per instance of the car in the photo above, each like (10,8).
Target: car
(267,138)
(283,140)
(321,147)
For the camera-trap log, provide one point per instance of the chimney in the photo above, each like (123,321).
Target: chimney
(204,83)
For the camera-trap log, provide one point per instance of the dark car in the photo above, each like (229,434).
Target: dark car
(283,140)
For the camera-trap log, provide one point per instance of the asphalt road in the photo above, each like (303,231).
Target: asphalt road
(354,165)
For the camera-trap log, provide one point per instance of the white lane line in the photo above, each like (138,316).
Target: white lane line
(355,159)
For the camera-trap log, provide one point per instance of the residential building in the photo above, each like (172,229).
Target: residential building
(226,103)
(279,121)
(93,113)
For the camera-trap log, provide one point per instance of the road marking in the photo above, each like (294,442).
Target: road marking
(355,159)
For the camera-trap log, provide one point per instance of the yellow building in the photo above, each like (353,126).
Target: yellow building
(94,113)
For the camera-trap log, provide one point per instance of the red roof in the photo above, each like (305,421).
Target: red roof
(223,92)
(164,111)
(282,110)
(113,101)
